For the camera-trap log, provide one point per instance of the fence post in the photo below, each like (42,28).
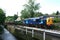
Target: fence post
(44,35)
(32,33)
(26,30)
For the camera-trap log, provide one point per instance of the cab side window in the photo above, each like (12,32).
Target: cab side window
(38,20)
(48,20)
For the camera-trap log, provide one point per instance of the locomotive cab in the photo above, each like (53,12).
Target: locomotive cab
(49,22)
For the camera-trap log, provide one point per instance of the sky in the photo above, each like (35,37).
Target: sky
(11,7)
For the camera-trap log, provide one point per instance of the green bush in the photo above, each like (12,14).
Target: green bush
(56,20)
(57,27)
(18,22)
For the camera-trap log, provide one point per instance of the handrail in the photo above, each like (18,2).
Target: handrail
(39,29)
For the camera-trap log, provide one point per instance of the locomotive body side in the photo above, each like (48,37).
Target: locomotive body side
(39,22)
(34,21)
(31,21)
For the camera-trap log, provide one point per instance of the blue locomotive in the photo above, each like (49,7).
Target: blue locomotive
(42,21)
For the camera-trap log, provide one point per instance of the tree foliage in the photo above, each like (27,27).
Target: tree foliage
(2,16)
(25,14)
(15,16)
(37,14)
(57,13)
(9,19)
(56,19)
(46,14)
(30,9)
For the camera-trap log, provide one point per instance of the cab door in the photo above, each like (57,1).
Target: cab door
(49,21)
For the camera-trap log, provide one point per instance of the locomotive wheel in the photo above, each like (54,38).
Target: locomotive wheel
(42,26)
(50,27)
(38,26)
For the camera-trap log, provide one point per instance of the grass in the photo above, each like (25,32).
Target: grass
(57,28)
(56,20)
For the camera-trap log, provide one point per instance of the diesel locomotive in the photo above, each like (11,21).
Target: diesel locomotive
(41,22)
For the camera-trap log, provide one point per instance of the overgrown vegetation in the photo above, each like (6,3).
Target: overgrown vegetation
(56,20)
(2,16)
(2,20)
(18,22)
(11,18)
(57,27)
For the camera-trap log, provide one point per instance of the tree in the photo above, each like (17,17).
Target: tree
(24,14)
(46,14)
(30,8)
(38,14)
(57,13)
(9,19)
(57,19)
(15,16)
(2,16)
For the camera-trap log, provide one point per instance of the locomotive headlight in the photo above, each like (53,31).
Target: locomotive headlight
(27,22)
(41,22)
